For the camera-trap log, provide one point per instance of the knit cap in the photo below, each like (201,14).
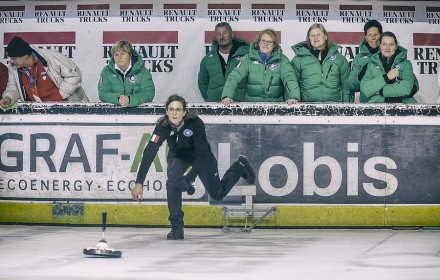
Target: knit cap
(18,47)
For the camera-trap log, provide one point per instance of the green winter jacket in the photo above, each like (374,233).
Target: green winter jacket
(359,61)
(211,78)
(321,83)
(138,83)
(375,86)
(274,81)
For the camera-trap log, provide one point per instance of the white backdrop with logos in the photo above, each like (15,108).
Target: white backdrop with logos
(173,38)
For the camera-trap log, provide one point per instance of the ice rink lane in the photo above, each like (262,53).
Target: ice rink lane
(55,252)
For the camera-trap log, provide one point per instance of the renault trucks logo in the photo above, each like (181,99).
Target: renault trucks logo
(355,13)
(399,14)
(157,48)
(50,13)
(11,14)
(312,12)
(224,12)
(93,13)
(426,52)
(268,12)
(433,15)
(63,42)
(179,12)
(136,12)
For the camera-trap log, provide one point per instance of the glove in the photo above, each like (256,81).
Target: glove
(362,73)
(191,190)
(183,183)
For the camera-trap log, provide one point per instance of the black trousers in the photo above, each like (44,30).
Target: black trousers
(215,187)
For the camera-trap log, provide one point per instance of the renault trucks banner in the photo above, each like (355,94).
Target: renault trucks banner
(173,37)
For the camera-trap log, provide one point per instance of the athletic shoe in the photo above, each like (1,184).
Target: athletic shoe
(175,234)
(248,171)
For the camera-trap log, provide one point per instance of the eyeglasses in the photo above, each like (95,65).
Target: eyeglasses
(264,42)
(177,110)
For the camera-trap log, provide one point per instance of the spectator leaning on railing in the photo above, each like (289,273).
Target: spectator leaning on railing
(125,80)
(321,69)
(37,75)
(268,74)
(217,64)
(389,76)
(368,46)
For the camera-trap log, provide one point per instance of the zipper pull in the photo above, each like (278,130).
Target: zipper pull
(270,82)
(329,70)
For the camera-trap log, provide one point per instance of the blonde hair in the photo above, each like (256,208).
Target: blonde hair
(322,28)
(273,36)
(122,45)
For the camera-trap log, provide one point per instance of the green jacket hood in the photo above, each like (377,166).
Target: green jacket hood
(401,56)
(277,55)
(302,49)
(136,62)
(242,46)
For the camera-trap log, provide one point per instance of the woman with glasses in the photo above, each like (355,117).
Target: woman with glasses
(188,147)
(125,80)
(321,70)
(389,76)
(268,73)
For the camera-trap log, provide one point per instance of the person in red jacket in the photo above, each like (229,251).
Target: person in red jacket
(188,146)
(40,75)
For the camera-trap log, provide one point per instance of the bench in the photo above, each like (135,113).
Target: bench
(248,191)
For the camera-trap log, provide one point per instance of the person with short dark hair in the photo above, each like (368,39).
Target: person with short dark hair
(40,75)
(125,80)
(321,69)
(217,64)
(367,47)
(189,156)
(268,74)
(389,76)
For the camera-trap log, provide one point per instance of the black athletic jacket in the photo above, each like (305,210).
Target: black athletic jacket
(189,145)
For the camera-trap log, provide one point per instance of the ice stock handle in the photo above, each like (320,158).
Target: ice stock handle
(104,220)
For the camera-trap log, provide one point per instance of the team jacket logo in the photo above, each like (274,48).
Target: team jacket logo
(133,79)
(187,132)
(272,66)
(333,57)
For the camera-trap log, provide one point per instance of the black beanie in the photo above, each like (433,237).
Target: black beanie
(18,47)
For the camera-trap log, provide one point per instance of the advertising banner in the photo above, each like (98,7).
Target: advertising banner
(329,155)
